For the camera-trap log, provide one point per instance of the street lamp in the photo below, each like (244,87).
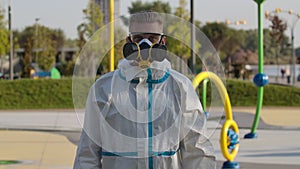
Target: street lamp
(11,66)
(192,59)
(291,24)
(36,39)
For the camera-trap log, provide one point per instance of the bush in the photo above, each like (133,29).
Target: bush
(36,94)
(57,94)
(244,93)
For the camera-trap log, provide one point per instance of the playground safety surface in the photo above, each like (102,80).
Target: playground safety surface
(46,139)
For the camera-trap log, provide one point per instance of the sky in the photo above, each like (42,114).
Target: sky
(67,14)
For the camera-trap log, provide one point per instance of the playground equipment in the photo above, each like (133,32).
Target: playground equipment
(111,35)
(260,79)
(229,140)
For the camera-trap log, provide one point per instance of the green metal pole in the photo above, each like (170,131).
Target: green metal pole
(260,69)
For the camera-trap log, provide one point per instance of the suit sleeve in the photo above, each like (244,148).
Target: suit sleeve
(89,151)
(196,150)
(88,154)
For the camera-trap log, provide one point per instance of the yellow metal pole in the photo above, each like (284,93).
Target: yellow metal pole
(112,51)
(221,88)
(229,123)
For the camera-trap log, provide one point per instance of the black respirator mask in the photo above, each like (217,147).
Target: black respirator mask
(144,52)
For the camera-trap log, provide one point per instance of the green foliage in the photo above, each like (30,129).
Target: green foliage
(243,93)
(93,21)
(36,94)
(180,34)
(4,43)
(36,33)
(27,59)
(158,6)
(97,52)
(45,57)
(4,35)
(55,94)
(281,95)
(251,37)
(68,68)
(218,33)
(237,39)
(40,44)
(120,35)
(227,41)
(181,12)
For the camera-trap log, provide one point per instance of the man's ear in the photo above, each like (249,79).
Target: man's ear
(163,40)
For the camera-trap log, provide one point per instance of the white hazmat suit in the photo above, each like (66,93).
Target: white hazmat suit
(144,119)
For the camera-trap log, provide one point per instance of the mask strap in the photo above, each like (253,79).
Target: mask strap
(129,38)
(139,50)
(150,53)
(161,39)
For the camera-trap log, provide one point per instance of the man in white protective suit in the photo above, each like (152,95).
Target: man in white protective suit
(144,115)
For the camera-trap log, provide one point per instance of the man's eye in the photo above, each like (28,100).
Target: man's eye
(136,39)
(153,39)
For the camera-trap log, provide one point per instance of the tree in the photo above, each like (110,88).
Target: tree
(270,45)
(45,57)
(278,27)
(251,40)
(139,6)
(120,33)
(93,21)
(4,38)
(157,6)
(27,60)
(181,11)
(36,34)
(236,41)
(43,42)
(182,32)
(218,33)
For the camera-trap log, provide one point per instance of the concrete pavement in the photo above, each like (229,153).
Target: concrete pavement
(36,150)
(47,139)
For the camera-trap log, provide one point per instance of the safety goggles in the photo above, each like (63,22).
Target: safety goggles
(152,37)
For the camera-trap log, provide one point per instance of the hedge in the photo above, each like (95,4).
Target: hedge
(36,94)
(57,94)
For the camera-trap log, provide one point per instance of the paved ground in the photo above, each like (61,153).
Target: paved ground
(47,139)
